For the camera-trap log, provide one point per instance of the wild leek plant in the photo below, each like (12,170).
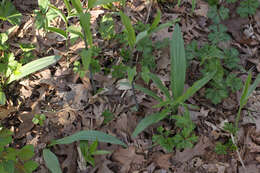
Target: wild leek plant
(178,96)
(133,40)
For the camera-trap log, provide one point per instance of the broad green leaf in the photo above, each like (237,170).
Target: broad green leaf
(77,5)
(5,137)
(141,35)
(75,30)
(90,135)
(178,63)
(63,17)
(9,166)
(43,5)
(86,58)
(34,66)
(91,3)
(30,166)
(2,98)
(129,29)
(156,20)
(51,161)
(57,31)
(160,85)
(131,72)
(85,23)
(149,120)
(26,153)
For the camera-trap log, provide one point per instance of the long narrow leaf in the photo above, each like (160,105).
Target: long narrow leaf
(34,66)
(149,120)
(178,63)
(67,4)
(90,135)
(63,17)
(51,161)
(253,86)
(104,2)
(190,91)
(195,87)
(160,85)
(156,20)
(77,5)
(85,23)
(129,29)
(243,98)
(148,92)
(58,31)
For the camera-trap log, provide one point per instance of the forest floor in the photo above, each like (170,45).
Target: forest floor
(67,101)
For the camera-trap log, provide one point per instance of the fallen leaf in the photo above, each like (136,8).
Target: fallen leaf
(163,160)
(126,157)
(202,8)
(5,111)
(199,149)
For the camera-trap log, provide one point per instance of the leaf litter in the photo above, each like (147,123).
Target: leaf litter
(69,106)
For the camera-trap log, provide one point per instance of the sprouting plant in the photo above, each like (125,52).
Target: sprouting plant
(12,159)
(224,148)
(218,34)
(108,116)
(217,14)
(178,71)
(247,7)
(10,68)
(106,27)
(89,150)
(39,119)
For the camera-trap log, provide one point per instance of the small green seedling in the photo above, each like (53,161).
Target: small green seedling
(90,150)
(39,119)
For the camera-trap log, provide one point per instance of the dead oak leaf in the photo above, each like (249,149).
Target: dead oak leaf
(127,157)
(162,160)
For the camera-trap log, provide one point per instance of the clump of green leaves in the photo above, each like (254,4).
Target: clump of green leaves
(9,13)
(224,148)
(178,97)
(90,150)
(15,160)
(39,119)
(106,27)
(247,7)
(108,116)
(183,139)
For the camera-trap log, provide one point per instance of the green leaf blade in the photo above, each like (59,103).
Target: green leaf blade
(149,120)
(34,66)
(51,161)
(90,135)
(178,63)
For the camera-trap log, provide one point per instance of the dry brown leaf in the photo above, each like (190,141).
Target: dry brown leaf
(126,157)
(26,124)
(163,160)
(199,149)
(5,111)
(202,8)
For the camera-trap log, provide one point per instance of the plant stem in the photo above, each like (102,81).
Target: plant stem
(135,98)
(90,70)
(238,117)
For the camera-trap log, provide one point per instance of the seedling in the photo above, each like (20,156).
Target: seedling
(178,71)
(90,150)
(39,119)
